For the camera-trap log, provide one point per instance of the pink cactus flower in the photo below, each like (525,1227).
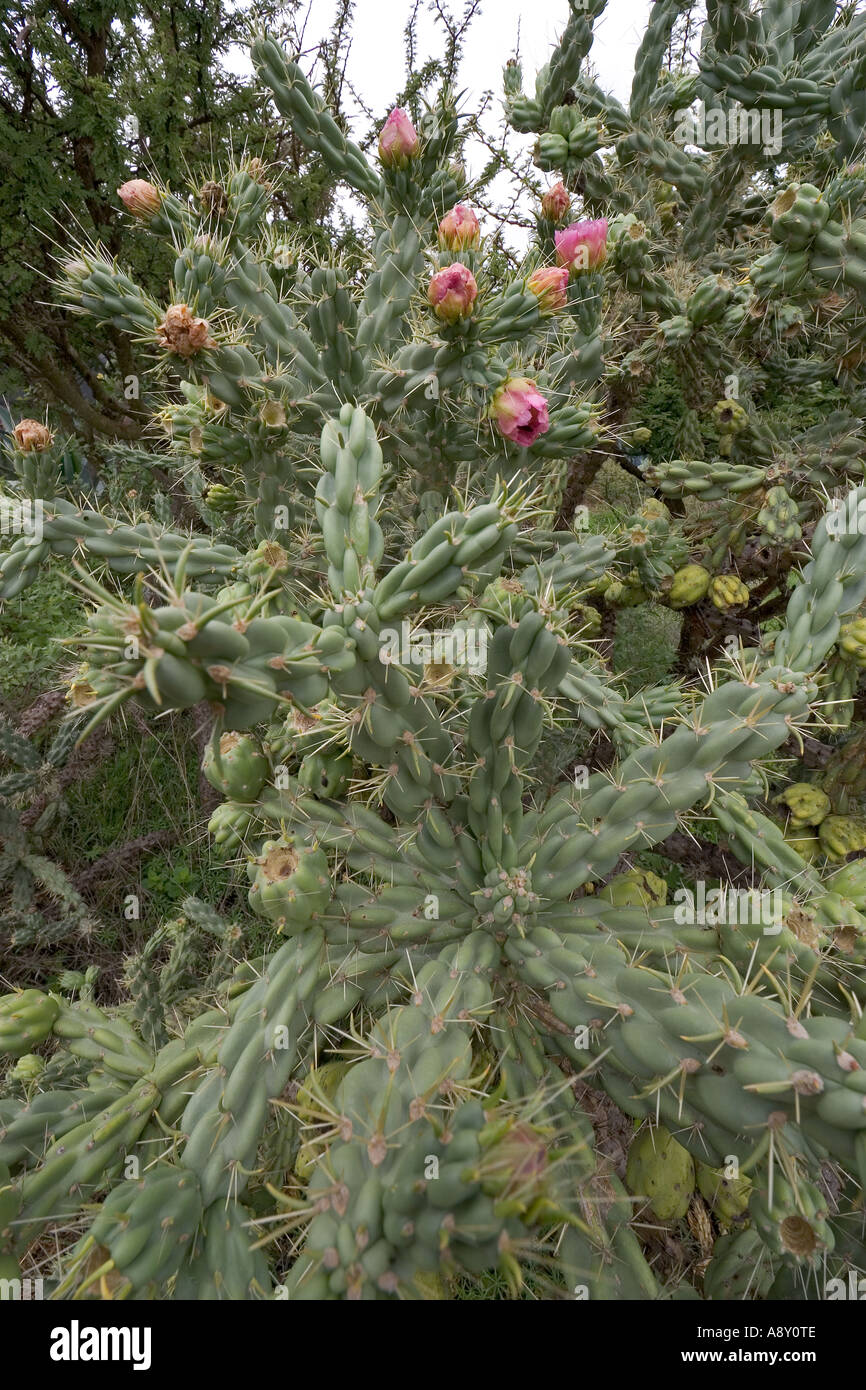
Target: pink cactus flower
(459,229)
(549,285)
(556,203)
(520,411)
(582,246)
(398,140)
(140,198)
(452,292)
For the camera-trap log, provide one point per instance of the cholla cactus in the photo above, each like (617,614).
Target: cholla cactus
(388,1083)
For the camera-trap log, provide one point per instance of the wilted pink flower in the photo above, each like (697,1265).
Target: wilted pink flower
(549,285)
(182,332)
(398,140)
(140,198)
(459,229)
(556,203)
(31,436)
(520,411)
(452,292)
(582,246)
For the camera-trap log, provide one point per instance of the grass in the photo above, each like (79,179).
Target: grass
(31,658)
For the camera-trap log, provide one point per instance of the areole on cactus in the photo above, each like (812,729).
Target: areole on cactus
(442,833)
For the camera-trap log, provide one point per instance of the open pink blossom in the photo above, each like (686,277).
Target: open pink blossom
(140,198)
(520,411)
(398,140)
(549,285)
(582,246)
(452,292)
(556,203)
(459,229)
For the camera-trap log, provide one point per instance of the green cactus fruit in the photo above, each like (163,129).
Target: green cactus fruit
(326,774)
(841,836)
(793,1224)
(661,1170)
(25,1019)
(654,509)
(635,888)
(852,641)
(730,417)
(267,558)
(689,585)
(728,591)
(626,593)
(290,882)
(229,824)
(29,1067)
(221,499)
(804,842)
(728,1197)
(778,517)
(236,766)
(798,214)
(807,805)
(850,882)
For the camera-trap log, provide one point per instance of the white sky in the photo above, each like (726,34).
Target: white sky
(376,62)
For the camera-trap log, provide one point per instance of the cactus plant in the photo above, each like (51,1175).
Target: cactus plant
(449,939)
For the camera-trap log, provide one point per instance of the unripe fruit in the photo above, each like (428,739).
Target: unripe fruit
(727,591)
(237,767)
(807,805)
(290,882)
(689,585)
(661,1170)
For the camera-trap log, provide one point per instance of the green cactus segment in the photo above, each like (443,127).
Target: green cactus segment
(25,1019)
(352,464)
(188,650)
(309,118)
(455,1194)
(70,531)
(833,588)
(761,1063)
(224,1117)
(656,784)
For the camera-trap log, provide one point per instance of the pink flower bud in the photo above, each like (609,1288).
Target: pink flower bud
(452,292)
(459,229)
(556,203)
(520,411)
(31,436)
(140,198)
(582,246)
(549,285)
(398,140)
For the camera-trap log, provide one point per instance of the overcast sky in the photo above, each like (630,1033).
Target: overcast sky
(376,63)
